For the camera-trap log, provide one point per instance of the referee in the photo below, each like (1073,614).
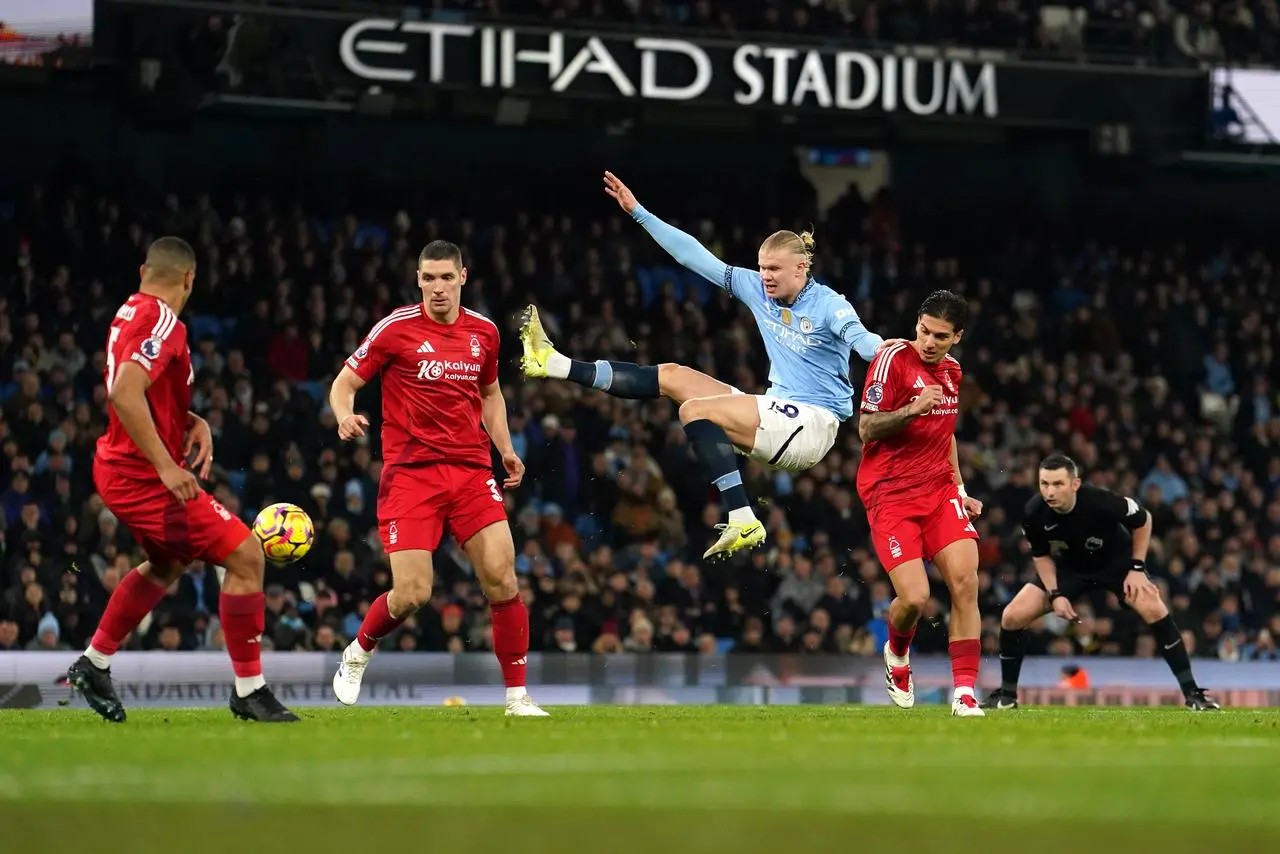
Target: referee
(1086,538)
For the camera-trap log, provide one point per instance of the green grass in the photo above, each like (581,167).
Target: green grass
(641,779)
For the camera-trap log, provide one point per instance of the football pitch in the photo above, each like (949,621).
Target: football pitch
(642,779)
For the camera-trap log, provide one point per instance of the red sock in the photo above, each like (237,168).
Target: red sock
(965,655)
(377,624)
(900,642)
(511,639)
(243,620)
(131,601)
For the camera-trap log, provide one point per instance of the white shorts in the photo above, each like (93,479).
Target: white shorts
(792,436)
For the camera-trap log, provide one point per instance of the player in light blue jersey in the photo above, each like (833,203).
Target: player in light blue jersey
(809,331)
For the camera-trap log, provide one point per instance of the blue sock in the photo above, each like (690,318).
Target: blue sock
(620,379)
(714,450)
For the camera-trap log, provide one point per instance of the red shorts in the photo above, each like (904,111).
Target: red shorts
(416,502)
(918,527)
(169,530)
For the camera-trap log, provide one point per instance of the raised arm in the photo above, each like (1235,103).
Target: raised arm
(683,247)
(849,328)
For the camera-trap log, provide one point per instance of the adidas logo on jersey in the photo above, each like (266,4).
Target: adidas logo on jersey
(919,383)
(426,347)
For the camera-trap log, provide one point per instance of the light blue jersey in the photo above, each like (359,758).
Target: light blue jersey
(808,342)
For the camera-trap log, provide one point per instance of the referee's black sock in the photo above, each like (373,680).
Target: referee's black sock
(714,450)
(1175,653)
(620,379)
(1013,646)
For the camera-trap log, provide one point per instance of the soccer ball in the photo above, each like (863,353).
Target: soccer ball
(285,531)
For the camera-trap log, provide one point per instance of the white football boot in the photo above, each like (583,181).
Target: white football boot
(350,675)
(897,679)
(965,705)
(521,705)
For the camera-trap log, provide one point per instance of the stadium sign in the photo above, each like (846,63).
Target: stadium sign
(343,54)
(384,50)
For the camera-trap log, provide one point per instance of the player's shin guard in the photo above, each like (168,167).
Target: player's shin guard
(620,379)
(511,640)
(1013,646)
(715,452)
(243,620)
(377,624)
(965,656)
(1174,651)
(131,601)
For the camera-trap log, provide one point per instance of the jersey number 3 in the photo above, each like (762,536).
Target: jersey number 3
(960,514)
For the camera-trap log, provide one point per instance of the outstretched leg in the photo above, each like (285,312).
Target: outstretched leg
(679,383)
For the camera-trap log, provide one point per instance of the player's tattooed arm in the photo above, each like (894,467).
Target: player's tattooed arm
(879,425)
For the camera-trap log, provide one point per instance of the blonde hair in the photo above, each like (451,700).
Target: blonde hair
(789,241)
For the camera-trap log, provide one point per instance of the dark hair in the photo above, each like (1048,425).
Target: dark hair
(171,255)
(441,250)
(1058,462)
(947,306)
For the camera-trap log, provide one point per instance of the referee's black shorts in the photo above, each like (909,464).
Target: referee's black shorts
(1076,586)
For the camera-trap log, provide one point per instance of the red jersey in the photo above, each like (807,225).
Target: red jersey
(432,374)
(916,460)
(146,331)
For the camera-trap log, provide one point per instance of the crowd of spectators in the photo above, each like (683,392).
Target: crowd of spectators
(1153,363)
